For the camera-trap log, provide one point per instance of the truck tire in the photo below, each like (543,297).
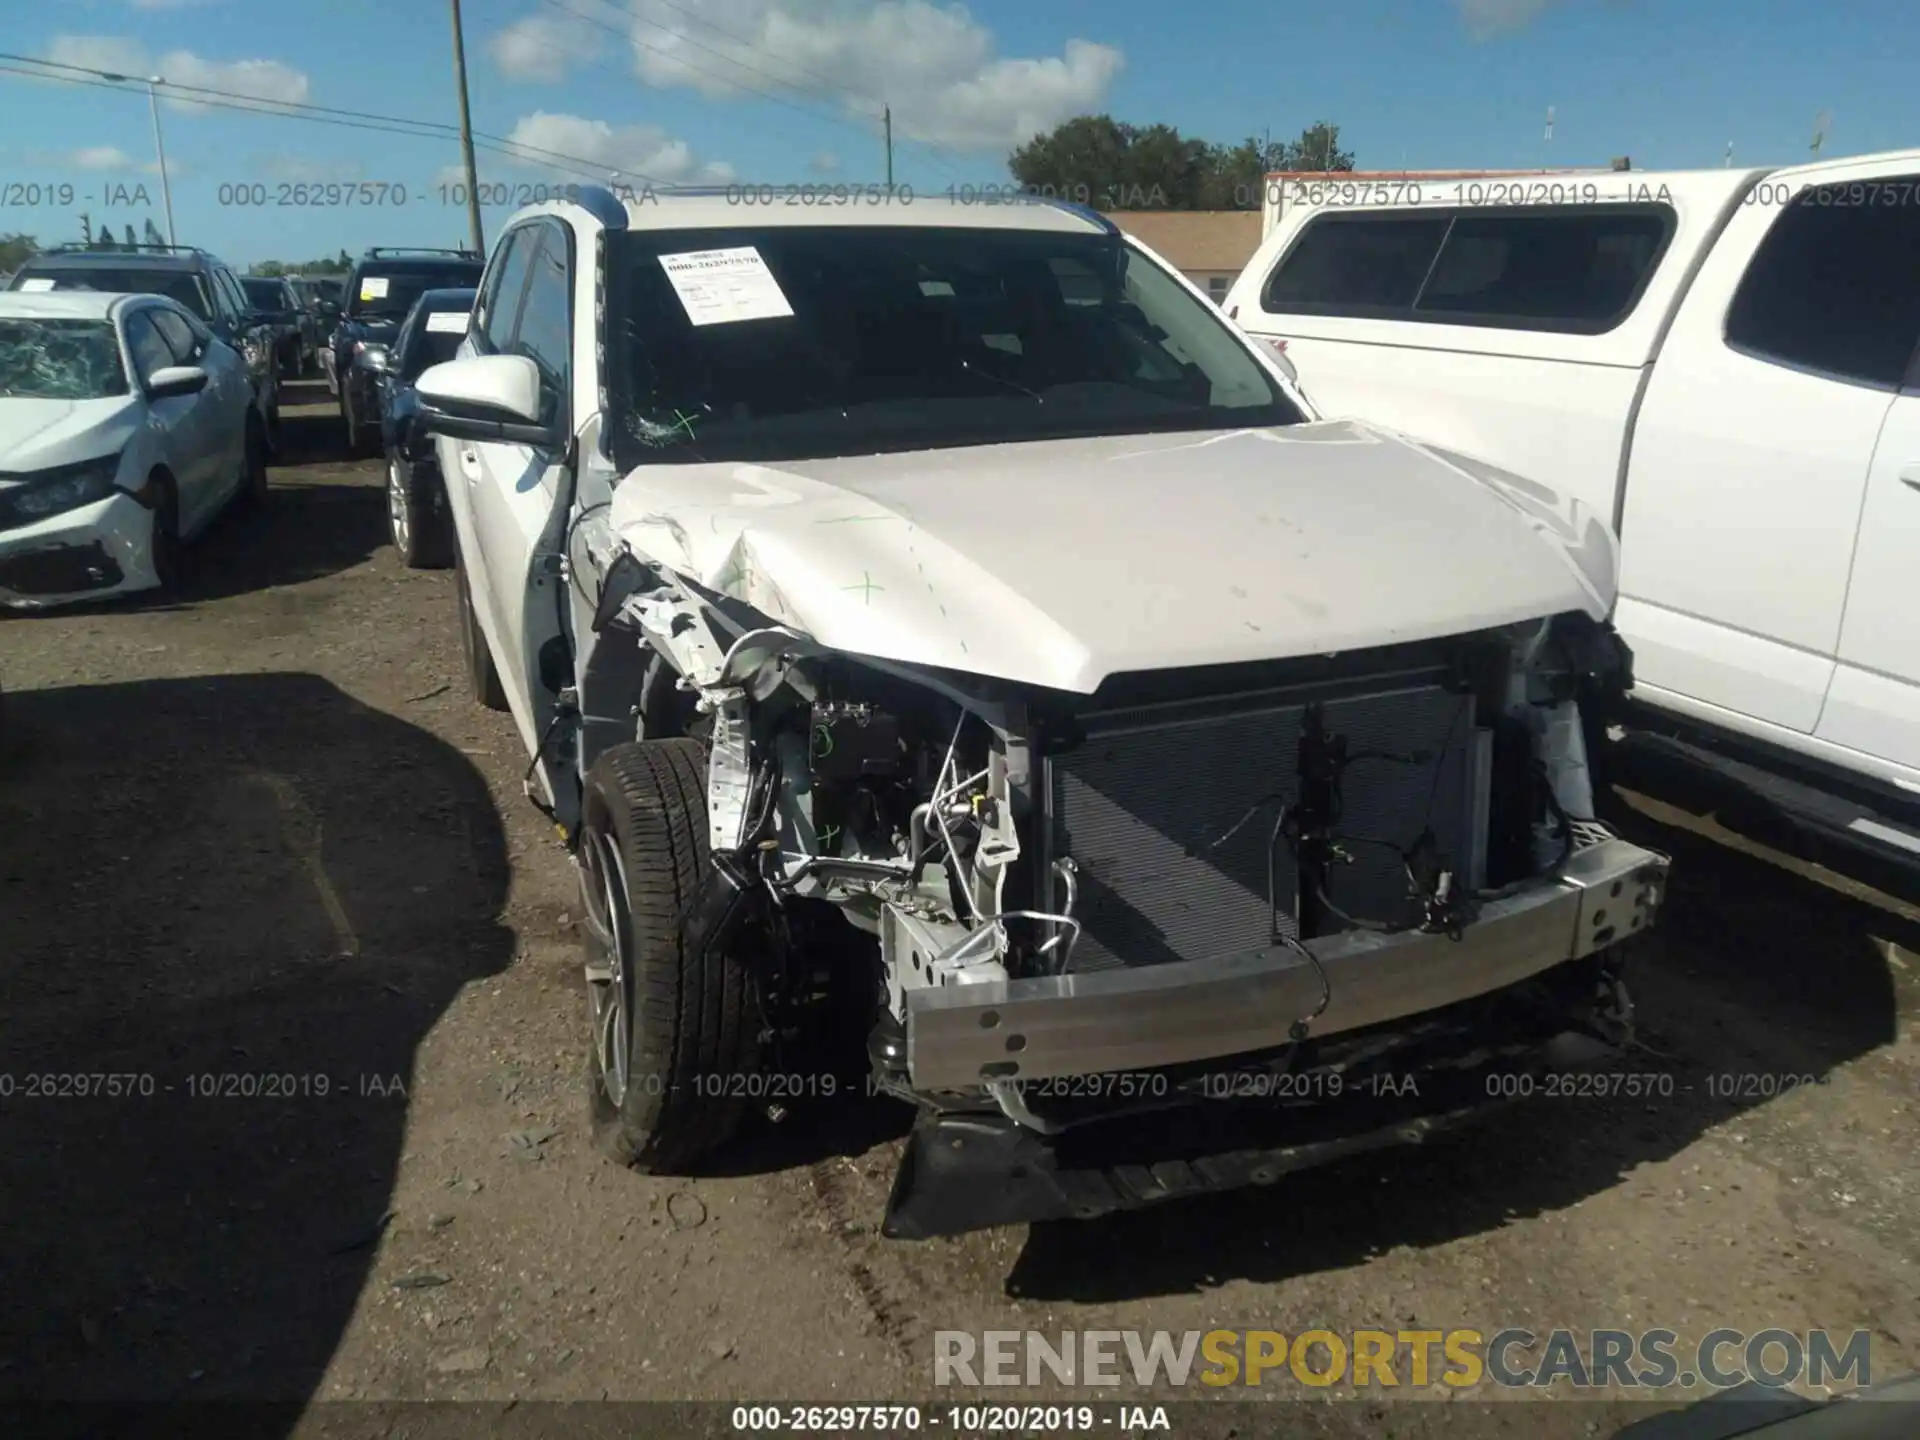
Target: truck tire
(483,679)
(669,1030)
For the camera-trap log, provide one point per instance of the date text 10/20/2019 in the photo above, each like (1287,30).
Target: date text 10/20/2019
(955,1419)
(200,1085)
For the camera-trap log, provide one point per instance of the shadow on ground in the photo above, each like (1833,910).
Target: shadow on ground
(1754,969)
(232,909)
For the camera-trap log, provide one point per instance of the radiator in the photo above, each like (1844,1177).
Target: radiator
(1140,803)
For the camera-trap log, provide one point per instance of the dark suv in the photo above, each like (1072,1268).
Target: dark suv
(200,281)
(380,291)
(296,338)
(416,495)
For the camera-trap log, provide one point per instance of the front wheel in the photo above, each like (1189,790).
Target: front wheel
(417,513)
(676,1031)
(253,480)
(483,678)
(163,551)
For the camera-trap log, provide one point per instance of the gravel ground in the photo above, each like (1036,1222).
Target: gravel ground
(256,844)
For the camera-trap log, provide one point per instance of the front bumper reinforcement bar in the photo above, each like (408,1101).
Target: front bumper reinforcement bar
(1145,1017)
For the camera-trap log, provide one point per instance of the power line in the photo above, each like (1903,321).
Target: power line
(327,115)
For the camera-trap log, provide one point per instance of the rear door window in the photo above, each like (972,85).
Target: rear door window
(1835,286)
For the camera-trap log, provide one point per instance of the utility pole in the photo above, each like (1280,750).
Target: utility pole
(886,119)
(160,149)
(466,134)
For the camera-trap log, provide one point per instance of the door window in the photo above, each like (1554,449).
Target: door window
(499,307)
(545,330)
(1835,286)
(179,336)
(150,352)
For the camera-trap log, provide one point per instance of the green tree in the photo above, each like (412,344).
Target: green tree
(16,249)
(1111,165)
(1318,148)
(1099,161)
(271,268)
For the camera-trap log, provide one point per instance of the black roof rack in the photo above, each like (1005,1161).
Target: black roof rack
(374,252)
(80,247)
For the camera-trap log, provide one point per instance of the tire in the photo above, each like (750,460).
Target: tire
(644,849)
(483,679)
(165,546)
(358,431)
(253,482)
(417,518)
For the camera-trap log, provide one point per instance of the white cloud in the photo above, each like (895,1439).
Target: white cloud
(935,64)
(542,47)
(824,163)
(101,157)
(260,79)
(633,153)
(1499,17)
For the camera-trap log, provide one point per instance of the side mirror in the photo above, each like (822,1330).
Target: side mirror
(172,380)
(377,358)
(485,397)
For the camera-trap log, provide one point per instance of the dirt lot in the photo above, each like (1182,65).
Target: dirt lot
(259,840)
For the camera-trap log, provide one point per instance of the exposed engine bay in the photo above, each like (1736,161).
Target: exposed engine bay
(1233,896)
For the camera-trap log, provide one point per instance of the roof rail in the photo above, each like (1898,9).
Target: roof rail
(374,252)
(80,247)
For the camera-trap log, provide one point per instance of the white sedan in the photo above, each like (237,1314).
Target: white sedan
(125,427)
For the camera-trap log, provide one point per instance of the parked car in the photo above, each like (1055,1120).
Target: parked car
(296,338)
(1725,366)
(192,278)
(1161,775)
(125,426)
(379,292)
(416,494)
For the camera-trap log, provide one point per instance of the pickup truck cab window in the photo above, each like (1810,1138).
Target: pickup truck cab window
(1517,268)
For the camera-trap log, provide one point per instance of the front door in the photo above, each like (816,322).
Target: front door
(514,490)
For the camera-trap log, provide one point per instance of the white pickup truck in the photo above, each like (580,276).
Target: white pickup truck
(1723,364)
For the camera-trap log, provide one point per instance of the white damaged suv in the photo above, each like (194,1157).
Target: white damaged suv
(940,613)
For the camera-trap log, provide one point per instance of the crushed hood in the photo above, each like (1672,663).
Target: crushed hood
(1058,563)
(39,434)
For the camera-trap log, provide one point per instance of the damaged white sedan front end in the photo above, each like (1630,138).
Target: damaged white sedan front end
(1144,927)
(1173,790)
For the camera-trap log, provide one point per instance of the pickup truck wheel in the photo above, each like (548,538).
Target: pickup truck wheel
(668,1028)
(482,677)
(417,513)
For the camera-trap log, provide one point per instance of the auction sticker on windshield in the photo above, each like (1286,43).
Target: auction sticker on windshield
(722,287)
(36,282)
(448,321)
(373,287)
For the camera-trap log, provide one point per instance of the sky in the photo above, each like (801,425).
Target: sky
(791,92)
